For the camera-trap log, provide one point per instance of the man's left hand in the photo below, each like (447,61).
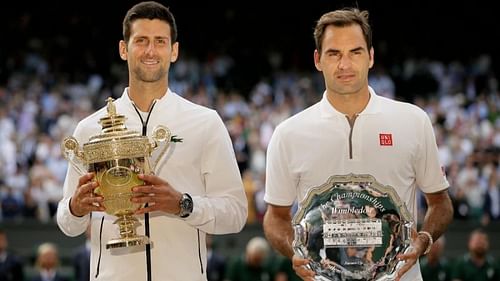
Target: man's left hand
(418,246)
(158,194)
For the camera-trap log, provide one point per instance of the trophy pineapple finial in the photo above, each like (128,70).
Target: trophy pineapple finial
(112,122)
(111,107)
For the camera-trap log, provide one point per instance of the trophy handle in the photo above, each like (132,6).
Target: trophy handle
(160,134)
(299,239)
(71,151)
(407,232)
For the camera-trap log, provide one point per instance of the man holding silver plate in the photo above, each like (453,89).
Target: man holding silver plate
(353,162)
(158,171)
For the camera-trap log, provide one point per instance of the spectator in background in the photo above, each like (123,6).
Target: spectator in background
(477,264)
(491,211)
(250,186)
(81,260)
(435,266)
(47,263)
(283,269)
(11,266)
(382,82)
(216,263)
(7,145)
(12,205)
(253,265)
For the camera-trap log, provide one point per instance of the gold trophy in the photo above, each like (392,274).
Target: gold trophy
(117,156)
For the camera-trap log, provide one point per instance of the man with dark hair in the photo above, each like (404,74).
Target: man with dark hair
(477,264)
(81,259)
(11,267)
(195,189)
(352,130)
(434,266)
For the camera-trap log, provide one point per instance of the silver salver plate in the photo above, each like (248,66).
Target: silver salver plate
(352,228)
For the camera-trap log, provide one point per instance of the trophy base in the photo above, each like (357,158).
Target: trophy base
(127,242)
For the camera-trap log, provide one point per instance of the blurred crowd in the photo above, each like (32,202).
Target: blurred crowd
(257,262)
(38,108)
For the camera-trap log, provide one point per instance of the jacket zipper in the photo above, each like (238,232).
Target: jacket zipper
(351,125)
(199,251)
(146,215)
(100,249)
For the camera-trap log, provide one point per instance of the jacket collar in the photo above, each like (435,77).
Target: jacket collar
(168,98)
(328,111)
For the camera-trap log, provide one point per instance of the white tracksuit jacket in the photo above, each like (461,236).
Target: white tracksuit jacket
(203,165)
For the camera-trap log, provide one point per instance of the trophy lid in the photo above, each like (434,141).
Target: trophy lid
(115,141)
(113,126)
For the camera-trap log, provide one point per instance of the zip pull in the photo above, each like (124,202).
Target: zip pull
(144,124)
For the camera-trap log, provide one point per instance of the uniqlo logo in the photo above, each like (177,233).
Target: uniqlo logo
(385,139)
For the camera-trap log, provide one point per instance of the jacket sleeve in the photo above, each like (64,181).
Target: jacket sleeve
(223,209)
(430,175)
(68,223)
(281,185)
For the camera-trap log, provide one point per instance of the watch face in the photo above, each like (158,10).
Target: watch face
(186,205)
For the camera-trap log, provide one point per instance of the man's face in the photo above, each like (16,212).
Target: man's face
(149,51)
(344,59)
(479,244)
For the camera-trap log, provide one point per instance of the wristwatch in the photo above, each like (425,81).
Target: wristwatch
(186,204)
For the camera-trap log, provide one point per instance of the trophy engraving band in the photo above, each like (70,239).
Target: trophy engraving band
(110,150)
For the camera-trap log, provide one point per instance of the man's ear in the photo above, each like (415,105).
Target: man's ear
(175,52)
(122,49)
(372,57)
(316,60)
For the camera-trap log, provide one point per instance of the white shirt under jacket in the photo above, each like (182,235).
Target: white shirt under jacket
(203,165)
(310,147)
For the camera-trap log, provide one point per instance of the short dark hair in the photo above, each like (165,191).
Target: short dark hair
(149,10)
(341,18)
(478,230)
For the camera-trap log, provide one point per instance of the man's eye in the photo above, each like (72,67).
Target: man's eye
(161,41)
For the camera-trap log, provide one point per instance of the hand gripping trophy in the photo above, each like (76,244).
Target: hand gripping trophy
(117,156)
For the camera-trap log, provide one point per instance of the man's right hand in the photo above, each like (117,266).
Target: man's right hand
(299,265)
(85,200)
